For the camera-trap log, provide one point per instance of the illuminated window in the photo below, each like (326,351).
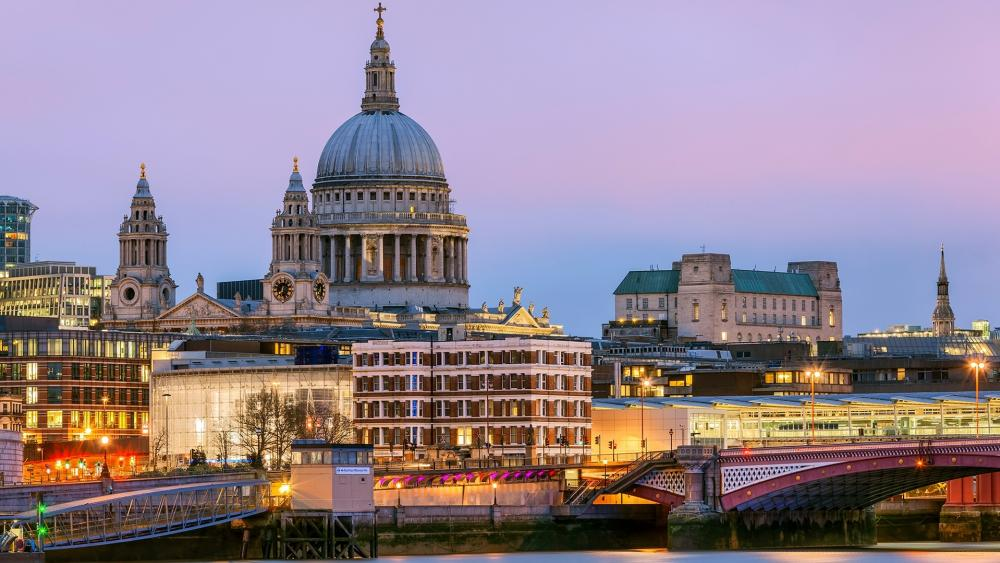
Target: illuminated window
(695,311)
(743,317)
(464,437)
(725,336)
(831,319)
(802,320)
(53,419)
(31,371)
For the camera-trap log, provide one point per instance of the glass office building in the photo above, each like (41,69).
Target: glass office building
(15,221)
(75,295)
(249,290)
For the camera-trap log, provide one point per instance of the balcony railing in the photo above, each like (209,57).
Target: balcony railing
(420,217)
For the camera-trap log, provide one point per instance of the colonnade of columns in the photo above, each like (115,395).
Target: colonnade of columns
(294,247)
(142,252)
(382,257)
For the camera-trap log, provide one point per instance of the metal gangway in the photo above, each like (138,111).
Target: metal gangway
(139,515)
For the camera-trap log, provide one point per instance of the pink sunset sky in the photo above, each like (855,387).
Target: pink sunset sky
(581,139)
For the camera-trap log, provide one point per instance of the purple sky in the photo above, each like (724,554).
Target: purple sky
(582,140)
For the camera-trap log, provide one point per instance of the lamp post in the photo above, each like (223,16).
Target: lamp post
(166,412)
(399,493)
(642,413)
(605,462)
(494,494)
(105,470)
(977,366)
(671,434)
(813,375)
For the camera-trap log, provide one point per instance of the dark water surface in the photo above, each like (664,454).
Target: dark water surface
(916,552)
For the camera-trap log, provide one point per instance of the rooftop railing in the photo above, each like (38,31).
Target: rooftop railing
(420,217)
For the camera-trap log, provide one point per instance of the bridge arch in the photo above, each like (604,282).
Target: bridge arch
(849,477)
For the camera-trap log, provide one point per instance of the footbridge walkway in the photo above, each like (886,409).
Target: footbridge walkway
(140,514)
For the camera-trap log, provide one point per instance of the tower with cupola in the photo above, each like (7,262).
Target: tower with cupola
(142,288)
(294,283)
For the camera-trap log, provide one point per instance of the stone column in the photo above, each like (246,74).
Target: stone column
(347,258)
(380,267)
(450,261)
(427,258)
(413,259)
(396,259)
(465,260)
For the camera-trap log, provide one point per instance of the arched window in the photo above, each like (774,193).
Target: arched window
(831,318)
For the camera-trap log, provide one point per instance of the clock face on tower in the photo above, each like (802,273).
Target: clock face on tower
(319,290)
(282,289)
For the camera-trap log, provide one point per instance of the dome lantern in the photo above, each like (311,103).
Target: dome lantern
(380,73)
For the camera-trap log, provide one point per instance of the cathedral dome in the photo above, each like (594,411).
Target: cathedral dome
(379,145)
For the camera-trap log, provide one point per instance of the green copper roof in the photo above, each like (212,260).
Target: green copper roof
(649,281)
(744,281)
(778,283)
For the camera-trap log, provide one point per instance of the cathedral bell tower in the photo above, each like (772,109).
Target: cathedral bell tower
(943,319)
(142,288)
(294,284)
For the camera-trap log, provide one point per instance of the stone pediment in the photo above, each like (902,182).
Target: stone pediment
(520,316)
(199,306)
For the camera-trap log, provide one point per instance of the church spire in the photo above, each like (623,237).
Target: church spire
(380,73)
(295,180)
(943,319)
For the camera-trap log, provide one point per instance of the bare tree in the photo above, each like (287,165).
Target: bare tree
(223,442)
(156,446)
(287,426)
(255,424)
(322,422)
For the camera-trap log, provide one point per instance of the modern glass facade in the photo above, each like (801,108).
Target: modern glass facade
(74,294)
(252,290)
(79,385)
(15,222)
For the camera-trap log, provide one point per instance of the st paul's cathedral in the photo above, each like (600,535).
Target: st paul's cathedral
(375,243)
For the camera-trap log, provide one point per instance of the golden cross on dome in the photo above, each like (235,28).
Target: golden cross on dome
(142,170)
(295,164)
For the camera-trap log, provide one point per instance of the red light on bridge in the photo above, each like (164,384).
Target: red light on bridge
(746,452)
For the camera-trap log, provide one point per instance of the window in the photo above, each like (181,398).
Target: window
(385,196)
(31,373)
(413,196)
(53,419)
(831,318)
(725,312)
(31,419)
(744,302)
(662,304)
(725,336)
(423,197)
(628,303)
(372,196)
(743,317)
(347,196)
(695,311)
(336,196)
(31,395)
(414,410)
(464,436)
(645,303)
(802,320)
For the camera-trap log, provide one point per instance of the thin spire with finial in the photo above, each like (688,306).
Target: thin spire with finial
(379,22)
(942,275)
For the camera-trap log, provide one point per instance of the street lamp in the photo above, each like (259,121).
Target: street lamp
(813,376)
(166,412)
(399,493)
(494,494)
(671,434)
(105,470)
(642,413)
(605,462)
(977,366)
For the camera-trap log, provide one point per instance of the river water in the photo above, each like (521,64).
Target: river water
(885,553)
(916,552)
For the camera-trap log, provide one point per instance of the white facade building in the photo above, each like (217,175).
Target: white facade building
(703,298)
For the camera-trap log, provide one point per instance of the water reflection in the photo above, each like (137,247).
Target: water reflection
(884,553)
